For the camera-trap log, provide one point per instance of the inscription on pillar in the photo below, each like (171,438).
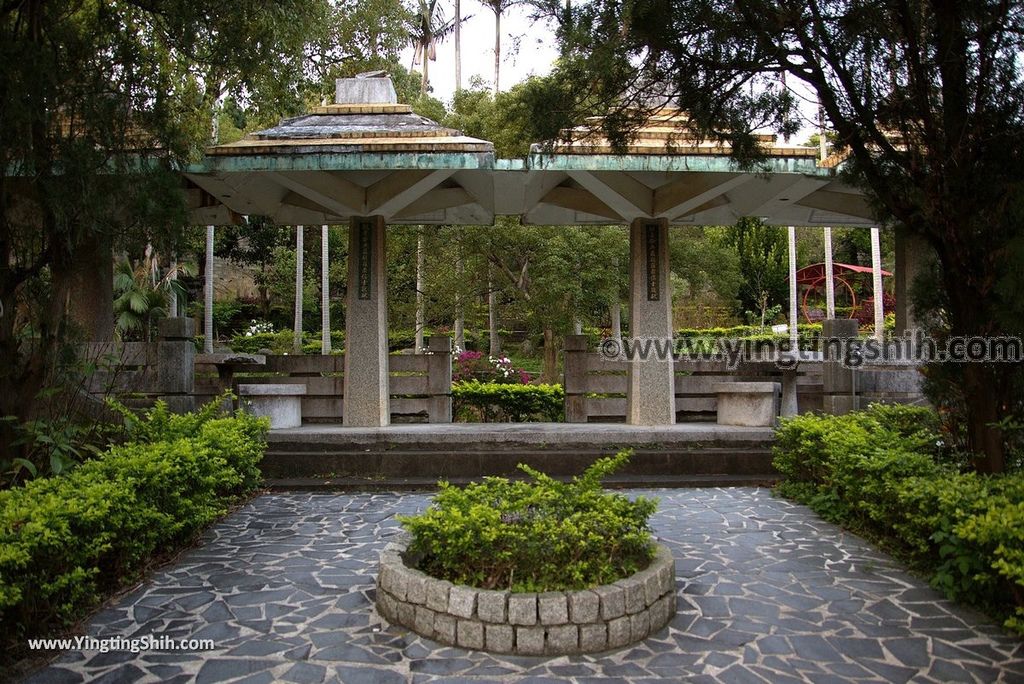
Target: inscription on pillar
(652,255)
(364,257)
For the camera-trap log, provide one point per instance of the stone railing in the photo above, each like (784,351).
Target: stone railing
(550,623)
(595,386)
(420,384)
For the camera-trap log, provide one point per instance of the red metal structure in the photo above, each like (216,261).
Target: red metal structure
(848,276)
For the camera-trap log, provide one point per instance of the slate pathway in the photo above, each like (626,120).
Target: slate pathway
(767,593)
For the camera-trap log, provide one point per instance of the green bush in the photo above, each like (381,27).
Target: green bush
(542,535)
(883,472)
(66,541)
(490,402)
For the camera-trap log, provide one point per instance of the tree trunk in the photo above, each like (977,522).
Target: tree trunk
(420,299)
(458,45)
(550,374)
(617,320)
(983,400)
(492,314)
(297,329)
(497,52)
(89,284)
(460,314)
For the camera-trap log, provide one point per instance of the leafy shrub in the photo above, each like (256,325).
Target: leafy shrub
(65,541)
(884,472)
(543,535)
(491,402)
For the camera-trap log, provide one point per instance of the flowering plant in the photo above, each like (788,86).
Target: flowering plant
(471,365)
(257,327)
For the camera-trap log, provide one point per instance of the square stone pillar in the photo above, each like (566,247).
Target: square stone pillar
(176,353)
(650,393)
(839,391)
(367,402)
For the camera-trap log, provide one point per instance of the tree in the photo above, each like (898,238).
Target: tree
(102,102)
(763,258)
(926,98)
(428,27)
(498,7)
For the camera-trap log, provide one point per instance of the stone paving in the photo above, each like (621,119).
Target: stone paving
(767,592)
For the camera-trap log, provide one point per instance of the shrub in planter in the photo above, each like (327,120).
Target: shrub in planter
(539,535)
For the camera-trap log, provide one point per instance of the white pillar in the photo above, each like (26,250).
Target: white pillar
(208,294)
(830,282)
(420,301)
(367,401)
(297,328)
(876,282)
(793,337)
(616,319)
(325,292)
(650,393)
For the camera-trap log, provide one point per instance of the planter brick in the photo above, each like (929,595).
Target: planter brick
(552,623)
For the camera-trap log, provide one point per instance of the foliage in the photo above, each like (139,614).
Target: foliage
(885,472)
(543,535)
(926,102)
(66,541)
(472,365)
(490,402)
(762,254)
(141,297)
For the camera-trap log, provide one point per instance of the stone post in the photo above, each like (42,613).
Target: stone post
(575,380)
(439,378)
(176,352)
(650,392)
(839,381)
(367,401)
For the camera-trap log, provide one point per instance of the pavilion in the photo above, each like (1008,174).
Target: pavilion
(370,162)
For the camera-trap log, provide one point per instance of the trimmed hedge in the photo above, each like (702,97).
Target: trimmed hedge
(67,541)
(491,402)
(881,472)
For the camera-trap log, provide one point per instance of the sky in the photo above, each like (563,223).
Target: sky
(527,48)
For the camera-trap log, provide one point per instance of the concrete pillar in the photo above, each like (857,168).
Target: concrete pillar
(912,254)
(794,319)
(89,282)
(297,325)
(830,279)
(325,293)
(650,393)
(367,401)
(876,284)
(208,294)
(839,391)
(175,364)
(439,378)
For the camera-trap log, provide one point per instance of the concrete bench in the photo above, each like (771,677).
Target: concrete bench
(281,403)
(754,404)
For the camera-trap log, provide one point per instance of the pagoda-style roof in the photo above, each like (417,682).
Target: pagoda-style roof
(347,128)
(368,155)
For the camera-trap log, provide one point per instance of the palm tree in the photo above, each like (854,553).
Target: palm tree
(140,296)
(427,28)
(498,7)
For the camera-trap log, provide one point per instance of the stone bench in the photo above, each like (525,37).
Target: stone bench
(282,403)
(753,404)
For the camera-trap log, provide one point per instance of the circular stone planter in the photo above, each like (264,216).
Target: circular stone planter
(550,623)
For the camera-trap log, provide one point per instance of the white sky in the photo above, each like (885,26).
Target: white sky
(527,48)
(536,51)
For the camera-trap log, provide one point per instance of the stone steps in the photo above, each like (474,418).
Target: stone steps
(339,459)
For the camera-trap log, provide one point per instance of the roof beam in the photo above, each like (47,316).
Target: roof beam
(436,200)
(626,196)
(776,195)
(328,190)
(581,201)
(839,203)
(388,196)
(683,196)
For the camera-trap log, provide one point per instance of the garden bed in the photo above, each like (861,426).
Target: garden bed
(526,623)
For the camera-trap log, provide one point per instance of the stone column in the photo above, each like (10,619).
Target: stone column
(912,254)
(367,400)
(176,353)
(839,380)
(876,284)
(208,294)
(794,319)
(325,292)
(650,393)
